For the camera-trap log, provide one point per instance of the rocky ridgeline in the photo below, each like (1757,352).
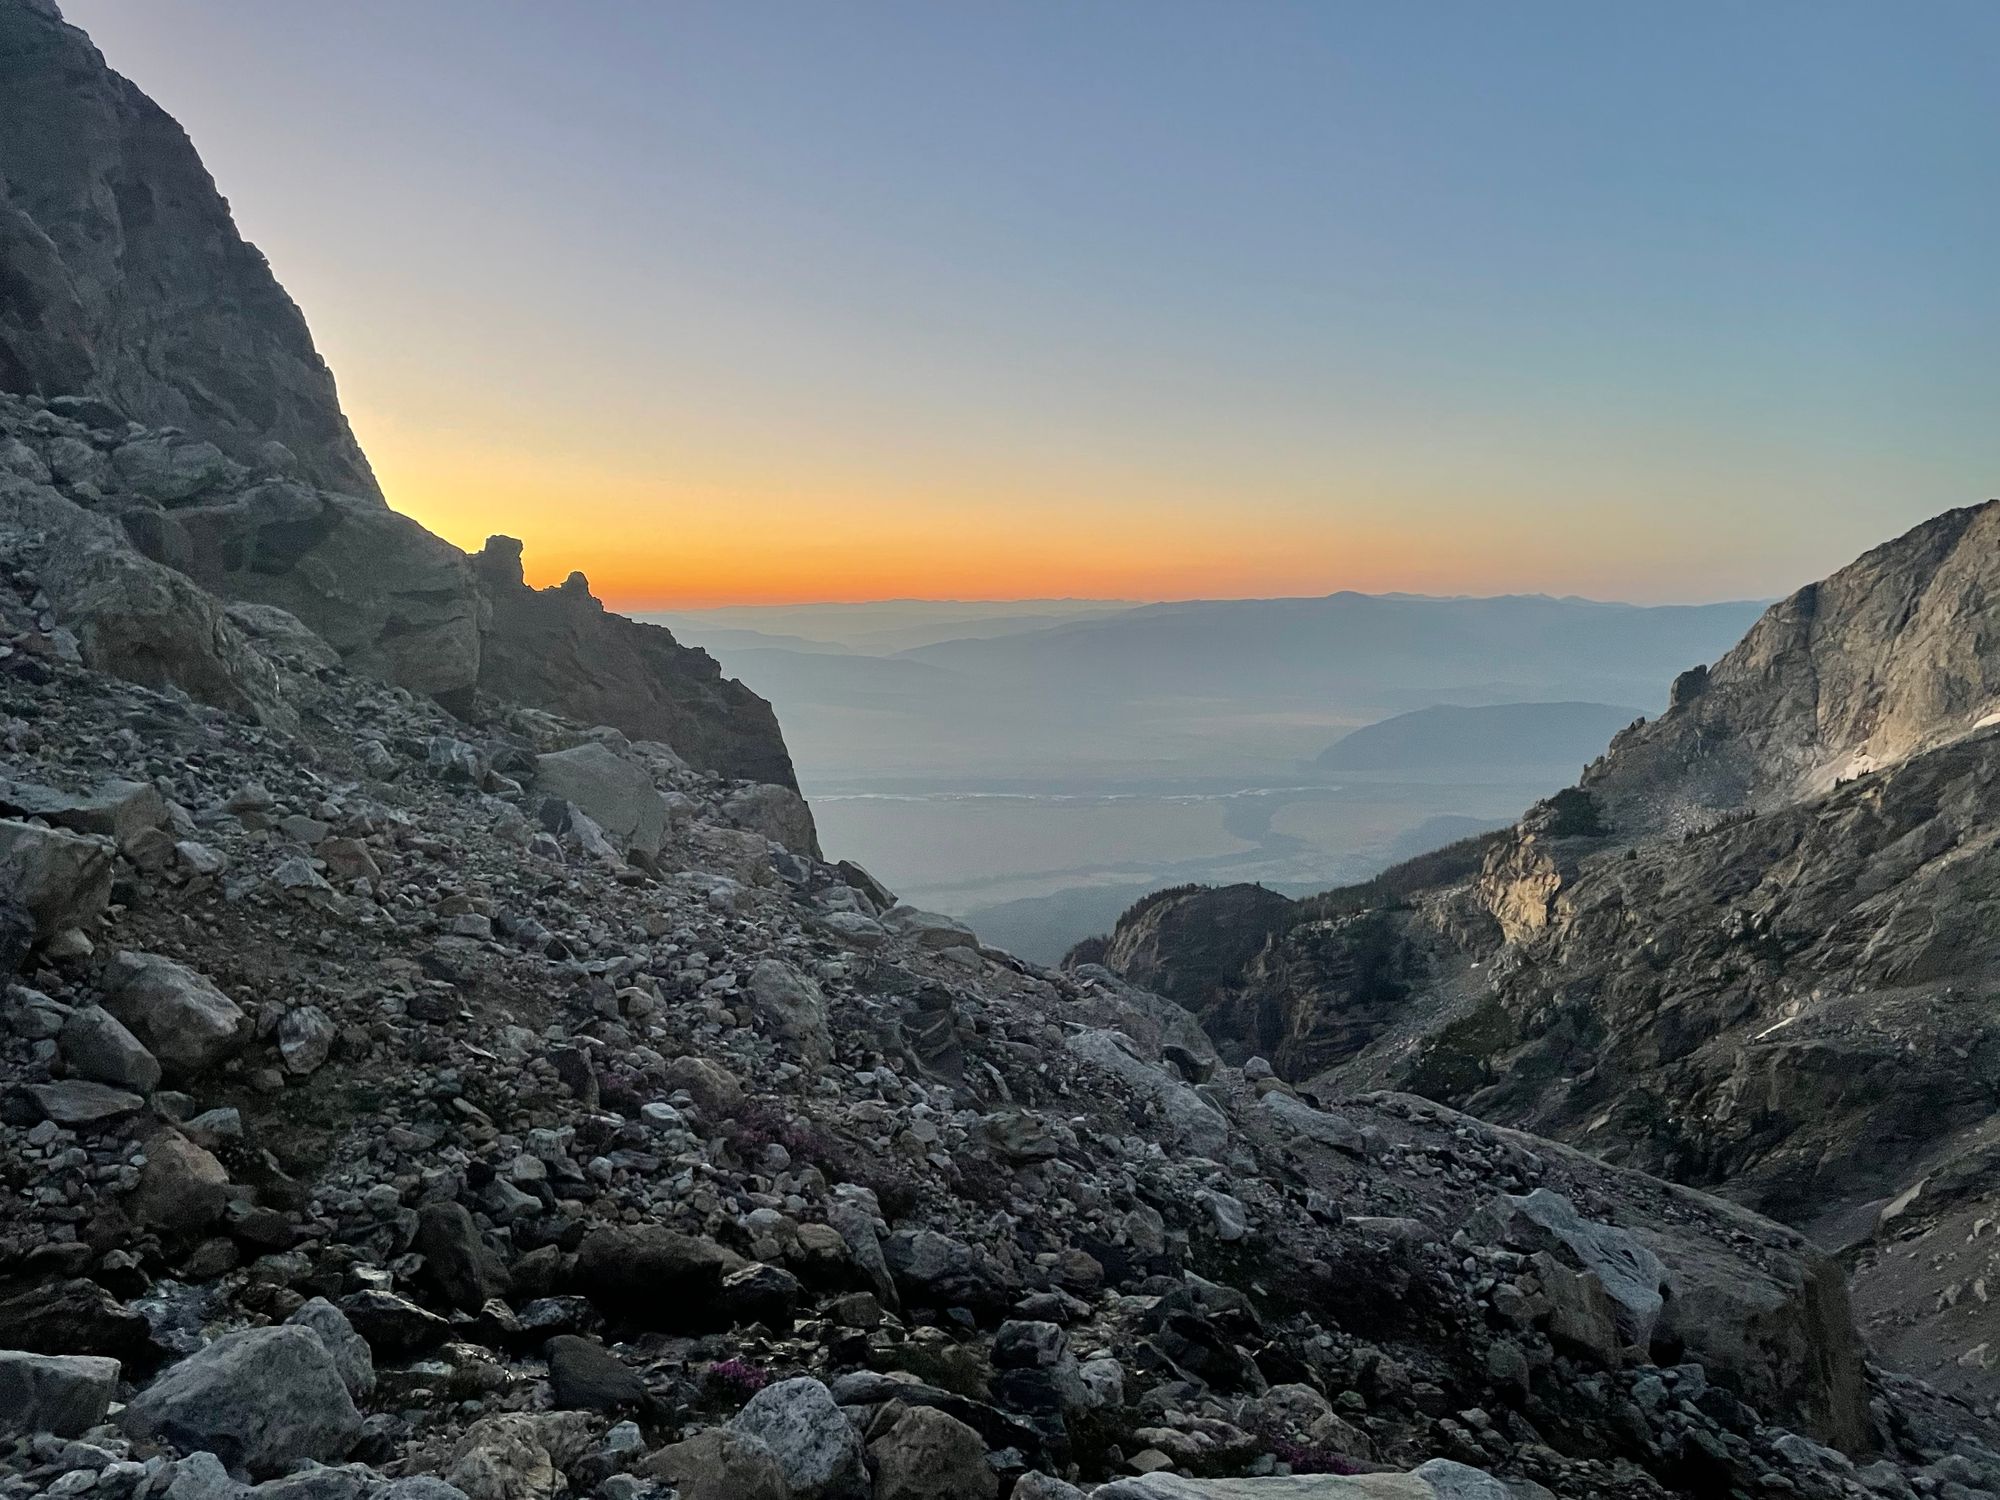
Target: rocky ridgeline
(391,599)
(406,1104)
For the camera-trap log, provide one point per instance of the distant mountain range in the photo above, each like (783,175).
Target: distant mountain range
(1204,687)
(1360,652)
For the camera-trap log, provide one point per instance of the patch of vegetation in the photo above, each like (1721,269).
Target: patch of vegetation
(1152,899)
(1454,1063)
(1574,814)
(1395,886)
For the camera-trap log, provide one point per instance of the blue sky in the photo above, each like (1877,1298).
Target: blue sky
(1153,300)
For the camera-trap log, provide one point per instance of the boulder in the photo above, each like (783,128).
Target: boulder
(181,1018)
(716,1091)
(458,1266)
(1296,1117)
(61,879)
(719,1464)
(792,1008)
(929,929)
(395,601)
(817,1448)
(927,1455)
(1197,1123)
(305,1039)
(79,1102)
(183,1188)
(73,1317)
(936,1270)
(118,810)
(65,1394)
(613,792)
(777,812)
(349,1350)
(279,632)
(393,1326)
(1632,1275)
(654,1277)
(172,469)
(260,1399)
(1778,1330)
(589,1377)
(758,1293)
(136,619)
(96,1045)
(1035,1485)
(1582,1319)
(519,1455)
(1440,1479)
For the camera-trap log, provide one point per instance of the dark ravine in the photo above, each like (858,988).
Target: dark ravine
(1752,950)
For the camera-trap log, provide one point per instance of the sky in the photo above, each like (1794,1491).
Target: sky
(742,301)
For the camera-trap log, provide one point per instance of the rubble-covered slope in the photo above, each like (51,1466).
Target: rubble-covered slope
(392,600)
(503,1108)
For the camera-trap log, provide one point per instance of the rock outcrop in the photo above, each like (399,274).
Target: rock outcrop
(171,385)
(1893,655)
(560,650)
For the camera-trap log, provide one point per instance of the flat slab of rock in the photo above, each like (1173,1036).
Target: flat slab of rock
(77,1101)
(61,1393)
(617,795)
(260,1399)
(182,1018)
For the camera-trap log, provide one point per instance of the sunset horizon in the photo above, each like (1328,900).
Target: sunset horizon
(1485,308)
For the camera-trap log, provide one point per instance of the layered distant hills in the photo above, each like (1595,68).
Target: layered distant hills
(1492,737)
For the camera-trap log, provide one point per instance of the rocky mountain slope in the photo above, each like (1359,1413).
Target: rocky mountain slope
(437,1064)
(396,1106)
(125,278)
(1752,949)
(185,399)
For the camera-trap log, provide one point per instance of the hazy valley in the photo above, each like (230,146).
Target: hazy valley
(1034,767)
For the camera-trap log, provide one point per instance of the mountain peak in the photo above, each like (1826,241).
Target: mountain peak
(1892,655)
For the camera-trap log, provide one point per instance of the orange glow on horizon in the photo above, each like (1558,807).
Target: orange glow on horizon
(674,531)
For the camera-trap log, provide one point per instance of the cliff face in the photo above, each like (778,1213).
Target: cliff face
(1892,655)
(560,650)
(183,396)
(124,277)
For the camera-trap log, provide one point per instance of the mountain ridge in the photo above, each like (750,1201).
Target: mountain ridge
(1715,956)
